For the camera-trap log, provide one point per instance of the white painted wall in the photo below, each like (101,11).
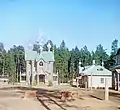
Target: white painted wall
(96,81)
(28,71)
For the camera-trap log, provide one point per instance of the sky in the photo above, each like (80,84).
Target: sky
(77,22)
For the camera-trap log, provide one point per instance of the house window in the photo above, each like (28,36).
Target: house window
(54,78)
(100,69)
(102,80)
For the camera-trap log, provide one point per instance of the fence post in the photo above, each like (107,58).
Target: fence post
(86,86)
(106,90)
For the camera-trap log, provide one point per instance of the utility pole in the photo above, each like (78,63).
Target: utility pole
(91,81)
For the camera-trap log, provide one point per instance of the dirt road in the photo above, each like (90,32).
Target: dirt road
(49,99)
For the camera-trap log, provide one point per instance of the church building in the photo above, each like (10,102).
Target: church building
(39,67)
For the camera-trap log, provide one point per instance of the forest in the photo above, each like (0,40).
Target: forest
(12,61)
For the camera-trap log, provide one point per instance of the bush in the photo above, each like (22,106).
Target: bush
(50,83)
(34,83)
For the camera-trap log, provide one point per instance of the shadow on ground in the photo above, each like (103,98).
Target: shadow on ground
(48,98)
(115,94)
(95,97)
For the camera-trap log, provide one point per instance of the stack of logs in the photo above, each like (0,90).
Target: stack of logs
(29,94)
(66,95)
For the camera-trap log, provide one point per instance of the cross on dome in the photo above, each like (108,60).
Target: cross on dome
(49,46)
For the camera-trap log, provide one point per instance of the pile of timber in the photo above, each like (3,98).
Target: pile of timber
(29,94)
(67,95)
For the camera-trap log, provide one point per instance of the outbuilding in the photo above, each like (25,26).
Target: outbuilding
(95,76)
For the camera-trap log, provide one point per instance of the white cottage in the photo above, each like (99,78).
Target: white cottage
(95,76)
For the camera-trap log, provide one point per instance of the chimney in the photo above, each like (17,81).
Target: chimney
(49,46)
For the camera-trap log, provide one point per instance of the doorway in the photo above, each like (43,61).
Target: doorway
(42,78)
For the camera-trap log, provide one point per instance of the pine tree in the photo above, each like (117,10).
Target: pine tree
(100,55)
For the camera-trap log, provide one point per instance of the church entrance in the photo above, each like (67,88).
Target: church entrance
(39,79)
(42,78)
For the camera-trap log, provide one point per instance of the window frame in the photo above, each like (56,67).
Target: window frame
(55,78)
(102,80)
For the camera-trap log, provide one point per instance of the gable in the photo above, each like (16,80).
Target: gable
(41,59)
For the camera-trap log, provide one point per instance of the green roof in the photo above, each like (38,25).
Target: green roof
(97,70)
(33,55)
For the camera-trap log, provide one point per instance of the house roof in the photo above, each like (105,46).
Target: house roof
(115,67)
(81,69)
(96,70)
(33,55)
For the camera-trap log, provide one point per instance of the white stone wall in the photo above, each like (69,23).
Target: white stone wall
(28,71)
(51,67)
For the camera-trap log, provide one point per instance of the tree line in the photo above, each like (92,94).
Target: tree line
(12,62)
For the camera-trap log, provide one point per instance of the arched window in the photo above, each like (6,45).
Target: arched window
(41,63)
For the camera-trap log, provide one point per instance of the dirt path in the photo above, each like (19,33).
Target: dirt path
(114,96)
(49,99)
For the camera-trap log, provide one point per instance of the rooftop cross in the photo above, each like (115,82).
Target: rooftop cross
(49,46)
